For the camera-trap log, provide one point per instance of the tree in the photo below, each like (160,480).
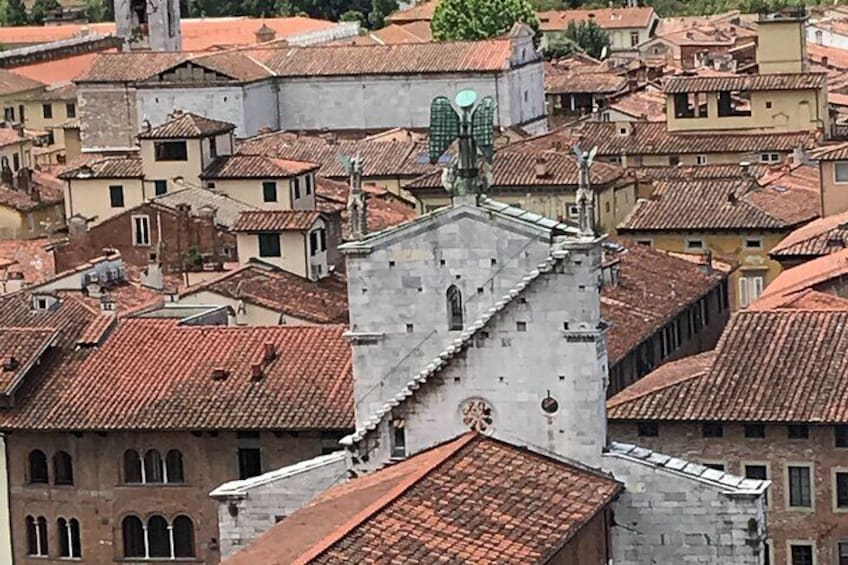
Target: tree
(380,9)
(42,9)
(16,14)
(479,19)
(353,16)
(589,36)
(559,46)
(96,10)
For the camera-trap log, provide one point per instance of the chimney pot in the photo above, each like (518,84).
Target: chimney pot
(256,372)
(269,352)
(541,167)
(220,374)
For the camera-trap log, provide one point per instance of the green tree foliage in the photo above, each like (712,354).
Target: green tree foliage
(353,16)
(380,9)
(42,9)
(16,14)
(559,46)
(589,36)
(96,10)
(479,19)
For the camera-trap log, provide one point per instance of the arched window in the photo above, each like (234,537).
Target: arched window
(133,532)
(36,536)
(37,466)
(69,538)
(152,467)
(63,468)
(183,537)
(158,537)
(454,300)
(132,466)
(174,467)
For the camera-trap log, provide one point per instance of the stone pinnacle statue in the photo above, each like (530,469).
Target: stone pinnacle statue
(585,194)
(357,207)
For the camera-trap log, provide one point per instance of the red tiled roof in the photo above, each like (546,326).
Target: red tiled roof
(380,158)
(421,12)
(153,374)
(515,168)
(384,208)
(722,204)
(20,348)
(647,104)
(595,83)
(275,220)
(41,195)
(492,55)
(772,366)
(12,82)
(9,136)
(187,125)
(693,172)
(837,152)
(653,288)
(819,237)
(808,275)
(777,81)
(320,302)
(808,299)
(29,257)
(58,70)
(242,166)
(472,500)
(105,168)
(606,18)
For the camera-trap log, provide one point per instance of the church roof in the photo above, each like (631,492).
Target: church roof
(497,502)
(185,125)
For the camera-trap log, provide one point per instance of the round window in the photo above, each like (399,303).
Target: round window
(550,405)
(477,415)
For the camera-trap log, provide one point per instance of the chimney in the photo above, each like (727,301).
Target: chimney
(541,167)
(707,266)
(269,352)
(731,198)
(10,363)
(107,304)
(14,281)
(220,374)
(357,202)
(256,372)
(93,287)
(745,170)
(824,61)
(265,34)
(151,277)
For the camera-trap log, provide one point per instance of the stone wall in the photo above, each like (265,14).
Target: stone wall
(825,526)
(108,115)
(248,508)
(667,517)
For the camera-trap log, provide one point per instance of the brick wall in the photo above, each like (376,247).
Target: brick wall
(824,526)
(179,233)
(99,499)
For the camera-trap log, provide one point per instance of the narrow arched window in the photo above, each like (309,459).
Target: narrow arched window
(69,538)
(152,467)
(41,527)
(37,466)
(454,300)
(174,467)
(183,537)
(132,466)
(133,532)
(33,537)
(63,469)
(158,537)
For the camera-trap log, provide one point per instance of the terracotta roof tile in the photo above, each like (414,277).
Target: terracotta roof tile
(496,503)
(595,83)
(421,12)
(153,374)
(275,220)
(29,257)
(12,83)
(784,81)
(20,349)
(819,237)
(653,288)
(385,209)
(722,204)
(693,172)
(106,168)
(380,158)
(320,302)
(769,366)
(491,55)
(58,70)
(837,152)
(256,166)
(606,18)
(23,201)
(648,104)
(808,299)
(187,125)
(808,274)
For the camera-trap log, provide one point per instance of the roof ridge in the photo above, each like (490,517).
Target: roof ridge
(328,541)
(453,348)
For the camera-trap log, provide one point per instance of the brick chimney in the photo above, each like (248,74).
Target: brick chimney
(256,372)
(541,167)
(265,34)
(269,352)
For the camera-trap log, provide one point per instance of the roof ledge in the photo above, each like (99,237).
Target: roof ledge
(359,338)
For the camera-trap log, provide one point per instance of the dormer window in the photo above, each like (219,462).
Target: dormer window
(170,151)
(43,302)
(454,303)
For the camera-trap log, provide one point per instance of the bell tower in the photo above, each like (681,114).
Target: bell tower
(149,25)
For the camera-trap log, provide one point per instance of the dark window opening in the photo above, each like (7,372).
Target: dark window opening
(734,103)
(37,467)
(797,431)
(71,110)
(711,429)
(47,111)
(170,151)
(174,467)
(153,467)
(63,468)
(160,187)
(800,493)
(269,245)
(69,538)
(37,536)
(295,188)
(690,105)
(398,439)
(801,554)
(116,196)
(840,436)
(648,429)
(269,191)
(158,538)
(842,490)
(132,466)
(183,537)
(133,534)
(715,466)
(250,462)
(454,300)
(756,472)
(756,431)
